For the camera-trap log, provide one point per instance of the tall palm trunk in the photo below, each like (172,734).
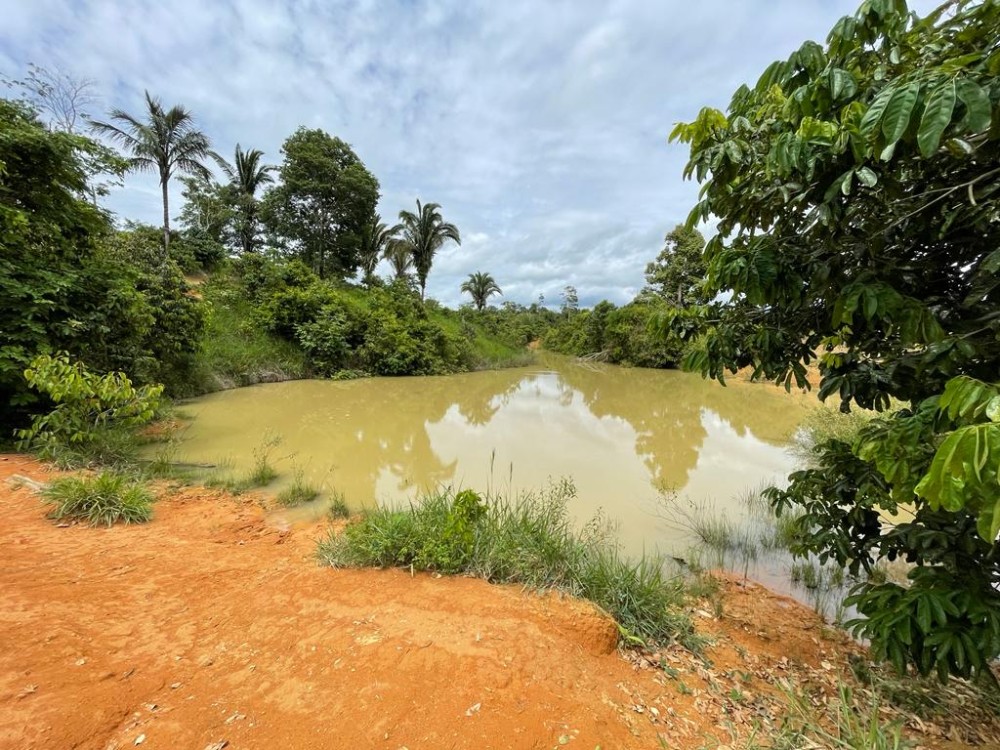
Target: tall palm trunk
(166,218)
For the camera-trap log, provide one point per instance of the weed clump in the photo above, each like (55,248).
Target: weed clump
(105,499)
(529,540)
(338,506)
(298,493)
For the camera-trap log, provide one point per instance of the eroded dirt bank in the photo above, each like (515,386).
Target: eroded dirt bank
(208,628)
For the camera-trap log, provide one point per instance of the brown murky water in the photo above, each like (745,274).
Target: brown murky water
(624,436)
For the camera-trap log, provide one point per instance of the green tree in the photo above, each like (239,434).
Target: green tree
(480,286)
(166,142)
(570,300)
(208,210)
(678,273)
(62,285)
(423,233)
(857,192)
(246,176)
(325,198)
(400,258)
(376,241)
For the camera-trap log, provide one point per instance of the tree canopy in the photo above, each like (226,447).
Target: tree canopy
(325,198)
(63,284)
(423,233)
(165,142)
(678,273)
(247,175)
(480,286)
(856,187)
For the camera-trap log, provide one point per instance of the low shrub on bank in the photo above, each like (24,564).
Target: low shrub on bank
(105,499)
(529,540)
(93,416)
(621,335)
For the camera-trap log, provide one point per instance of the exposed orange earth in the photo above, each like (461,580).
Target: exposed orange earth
(210,627)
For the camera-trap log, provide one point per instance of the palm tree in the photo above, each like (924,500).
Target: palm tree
(400,258)
(165,142)
(376,238)
(481,286)
(424,232)
(246,175)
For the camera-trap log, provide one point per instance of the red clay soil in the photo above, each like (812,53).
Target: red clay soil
(210,628)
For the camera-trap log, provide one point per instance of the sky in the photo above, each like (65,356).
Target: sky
(540,127)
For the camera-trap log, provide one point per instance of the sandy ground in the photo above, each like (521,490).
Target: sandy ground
(209,628)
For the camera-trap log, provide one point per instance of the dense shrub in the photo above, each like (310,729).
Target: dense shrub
(87,407)
(622,335)
(287,309)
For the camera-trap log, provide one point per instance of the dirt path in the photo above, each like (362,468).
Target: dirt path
(207,628)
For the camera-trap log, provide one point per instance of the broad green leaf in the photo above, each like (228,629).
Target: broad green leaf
(842,84)
(988,522)
(875,112)
(937,116)
(898,112)
(977,106)
(846,182)
(993,409)
(867,177)
(965,467)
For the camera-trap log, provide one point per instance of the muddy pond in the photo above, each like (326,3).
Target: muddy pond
(636,443)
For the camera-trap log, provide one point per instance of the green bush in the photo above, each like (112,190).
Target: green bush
(529,541)
(105,499)
(289,308)
(324,341)
(89,409)
(625,335)
(237,351)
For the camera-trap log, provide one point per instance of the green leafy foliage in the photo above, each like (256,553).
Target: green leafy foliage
(625,335)
(86,404)
(678,273)
(858,230)
(69,283)
(480,286)
(421,235)
(165,141)
(101,500)
(324,200)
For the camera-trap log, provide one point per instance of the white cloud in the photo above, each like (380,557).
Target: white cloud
(539,127)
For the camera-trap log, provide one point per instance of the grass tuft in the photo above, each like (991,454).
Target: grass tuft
(529,540)
(105,499)
(338,506)
(298,493)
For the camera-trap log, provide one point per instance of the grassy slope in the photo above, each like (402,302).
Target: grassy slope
(237,351)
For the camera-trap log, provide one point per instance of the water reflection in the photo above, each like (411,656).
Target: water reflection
(621,434)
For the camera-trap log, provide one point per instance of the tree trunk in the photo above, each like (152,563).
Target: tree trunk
(166,218)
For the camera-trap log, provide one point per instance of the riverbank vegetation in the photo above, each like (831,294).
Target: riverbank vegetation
(529,540)
(101,500)
(626,335)
(256,284)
